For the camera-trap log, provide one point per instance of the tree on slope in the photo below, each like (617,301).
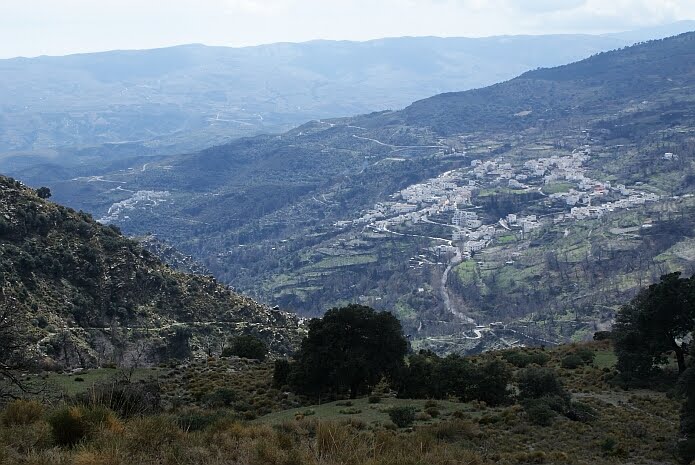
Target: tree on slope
(349,349)
(656,321)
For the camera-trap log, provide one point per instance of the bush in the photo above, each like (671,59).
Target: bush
(579,411)
(432,411)
(402,416)
(223,397)
(572,361)
(538,382)
(587,355)
(281,372)
(22,412)
(249,347)
(125,398)
(539,412)
(374,399)
(70,425)
(196,420)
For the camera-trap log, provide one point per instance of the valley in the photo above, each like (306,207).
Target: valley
(537,205)
(500,275)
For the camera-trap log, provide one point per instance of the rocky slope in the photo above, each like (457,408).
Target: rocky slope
(91,296)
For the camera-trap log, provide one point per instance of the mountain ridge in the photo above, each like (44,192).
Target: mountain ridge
(173,100)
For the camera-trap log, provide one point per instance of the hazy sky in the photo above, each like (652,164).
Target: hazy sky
(58,27)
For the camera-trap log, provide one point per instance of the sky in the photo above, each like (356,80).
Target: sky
(60,27)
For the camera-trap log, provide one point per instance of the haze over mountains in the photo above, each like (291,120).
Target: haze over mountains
(571,188)
(186,98)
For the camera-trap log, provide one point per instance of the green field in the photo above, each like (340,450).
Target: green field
(369,413)
(557,188)
(76,383)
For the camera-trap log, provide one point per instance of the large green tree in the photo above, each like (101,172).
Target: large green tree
(657,321)
(349,349)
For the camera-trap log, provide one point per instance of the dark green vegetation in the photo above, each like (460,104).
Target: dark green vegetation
(427,375)
(657,321)
(277,236)
(246,347)
(77,293)
(185,98)
(657,324)
(348,350)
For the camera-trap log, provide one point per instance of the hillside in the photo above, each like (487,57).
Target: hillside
(583,90)
(178,99)
(541,203)
(91,296)
(636,426)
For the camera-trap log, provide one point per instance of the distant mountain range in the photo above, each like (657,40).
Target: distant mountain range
(186,98)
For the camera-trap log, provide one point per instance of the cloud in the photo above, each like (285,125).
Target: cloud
(66,26)
(545,6)
(259,7)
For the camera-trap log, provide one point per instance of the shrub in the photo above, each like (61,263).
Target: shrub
(539,382)
(281,372)
(374,399)
(344,403)
(246,347)
(196,420)
(572,361)
(432,411)
(539,412)
(431,403)
(125,398)
(70,425)
(22,412)
(223,397)
(587,355)
(579,411)
(402,416)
